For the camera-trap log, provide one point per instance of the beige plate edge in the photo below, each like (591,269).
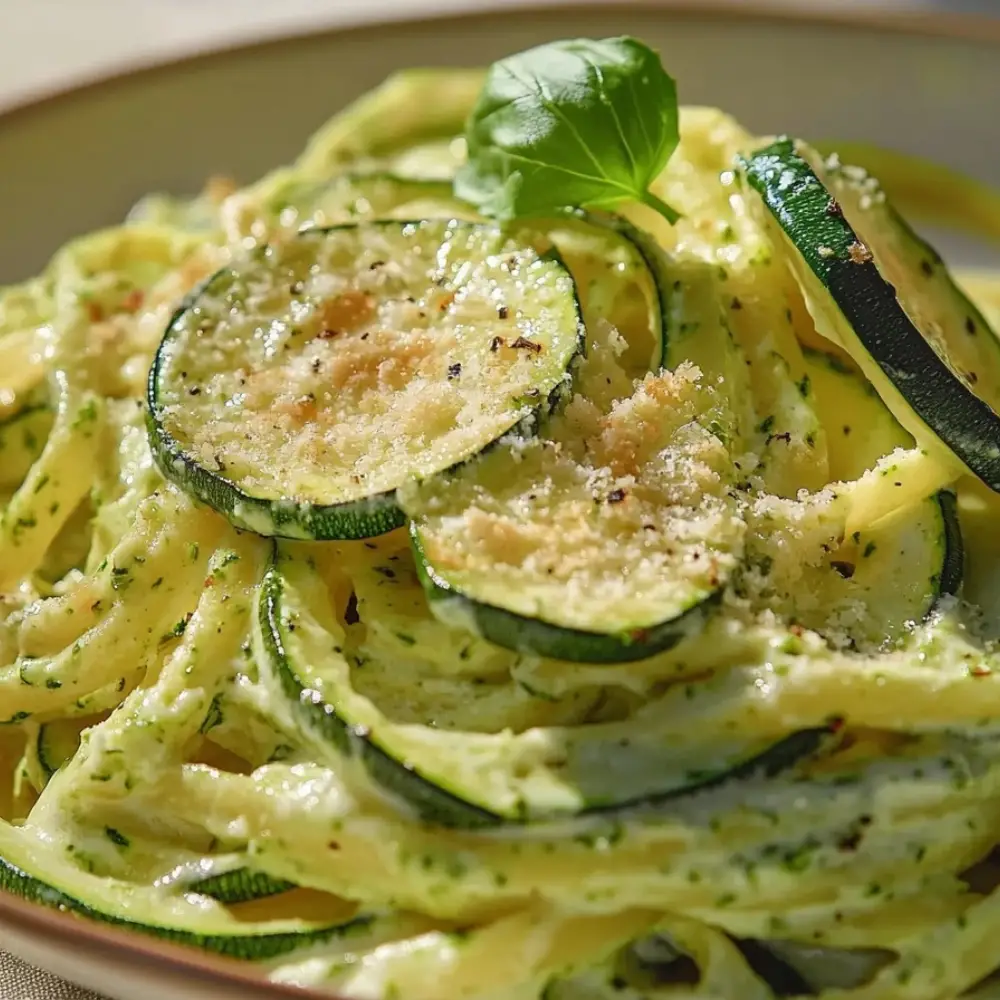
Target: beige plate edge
(168,970)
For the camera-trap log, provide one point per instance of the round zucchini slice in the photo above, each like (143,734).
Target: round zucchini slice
(880,292)
(611,540)
(621,298)
(29,871)
(481,779)
(297,389)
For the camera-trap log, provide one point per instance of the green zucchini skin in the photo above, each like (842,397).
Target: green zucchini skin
(52,753)
(430,801)
(248,947)
(433,804)
(807,213)
(360,519)
(776,759)
(364,517)
(658,264)
(780,976)
(367,518)
(953,564)
(513,631)
(243,885)
(844,392)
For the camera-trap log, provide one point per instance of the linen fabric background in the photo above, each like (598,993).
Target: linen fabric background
(21,982)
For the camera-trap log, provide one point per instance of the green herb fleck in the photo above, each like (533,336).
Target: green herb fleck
(116,838)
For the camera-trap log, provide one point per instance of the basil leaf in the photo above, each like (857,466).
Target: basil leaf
(578,123)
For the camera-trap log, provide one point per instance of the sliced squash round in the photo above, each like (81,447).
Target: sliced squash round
(298,388)
(610,540)
(481,779)
(885,296)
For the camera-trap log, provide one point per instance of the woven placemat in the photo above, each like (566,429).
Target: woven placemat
(23,982)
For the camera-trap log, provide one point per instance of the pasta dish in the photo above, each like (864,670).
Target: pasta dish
(530,547)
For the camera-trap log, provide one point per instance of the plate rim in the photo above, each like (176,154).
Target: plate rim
(114,946)
(119,946)
(956,25)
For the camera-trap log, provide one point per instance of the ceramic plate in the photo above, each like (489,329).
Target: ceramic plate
(78,161)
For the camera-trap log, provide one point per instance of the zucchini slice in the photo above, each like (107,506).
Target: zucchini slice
(729,306)
(860,429)
(57,742)
(881,293)
(481,779)
(241,885)
(872,586)
(298,389)
(36,875)
(610,541)
(617,269)
(622,299)
(925,190)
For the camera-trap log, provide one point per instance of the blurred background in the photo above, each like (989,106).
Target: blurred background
(45,44)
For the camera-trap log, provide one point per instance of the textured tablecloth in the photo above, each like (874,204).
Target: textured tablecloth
(21,982)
